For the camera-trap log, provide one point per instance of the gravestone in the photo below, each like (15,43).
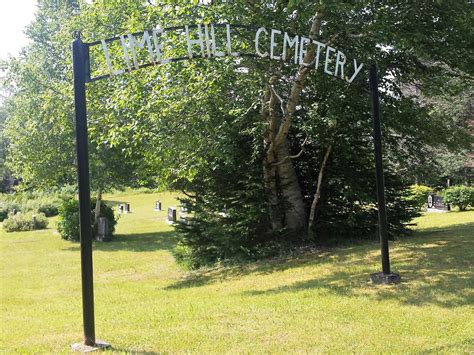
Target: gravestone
(127,208)
(33,221)
(120,208)
(172,215)
(102,229)
(158,206)
(436,203)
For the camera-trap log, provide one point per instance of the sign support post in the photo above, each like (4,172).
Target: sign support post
(80,63)
(385,277)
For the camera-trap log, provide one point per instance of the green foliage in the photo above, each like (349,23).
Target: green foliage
(21,222)
(418,194)
(228,220)
(7,207)
(68,220)
(46,202)
(459,196)
(201,125)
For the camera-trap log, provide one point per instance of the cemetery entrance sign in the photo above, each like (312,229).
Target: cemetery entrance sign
(164,45)
(118,55)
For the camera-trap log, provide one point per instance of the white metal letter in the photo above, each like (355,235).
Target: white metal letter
(229,42)
(357,69)
(290,43)
(207,40)
(191,42)
(140,45)
(340,62)
(318,52)
(213,43)
(107,60)
(329,49)
(158,45)
(257,37)
(273,44)
(125,52)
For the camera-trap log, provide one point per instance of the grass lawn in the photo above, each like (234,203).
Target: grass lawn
(315,303)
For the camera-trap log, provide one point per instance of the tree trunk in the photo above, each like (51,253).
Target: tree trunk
(97,205)
(284,194)
(295,213)
(317,195)
(271,188)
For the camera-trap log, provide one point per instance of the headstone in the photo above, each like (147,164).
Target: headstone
(127,208)
(436,203)
(158,206)
(33,221)
(102,229)
(120,208)
(172,215)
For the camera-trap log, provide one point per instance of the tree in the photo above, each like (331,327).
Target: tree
(3,144)
(304,144)
(315,130)
(40,126)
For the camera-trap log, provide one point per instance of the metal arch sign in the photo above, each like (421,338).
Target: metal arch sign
(133,51)
(118,55)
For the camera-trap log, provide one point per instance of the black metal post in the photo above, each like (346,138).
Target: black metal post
(79,51)
(385,276)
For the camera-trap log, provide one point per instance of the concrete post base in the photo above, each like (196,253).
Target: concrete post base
(82,348)
(380,278)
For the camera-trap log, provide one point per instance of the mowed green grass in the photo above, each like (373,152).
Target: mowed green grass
(320,302)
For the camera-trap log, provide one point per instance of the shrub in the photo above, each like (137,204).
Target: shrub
(24,222)
(36,201)
(49,209)
(68,221)
(6,208)
(460,196)
(47,205)
(418,195)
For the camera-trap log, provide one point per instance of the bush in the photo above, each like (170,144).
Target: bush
(35,201)
(24,222)
(7,208)
(460,196)
(68,221)
(418,194)
(47,205)
(49,209)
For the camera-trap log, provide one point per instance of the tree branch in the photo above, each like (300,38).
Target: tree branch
(317,195)
(292,156)
(298,84)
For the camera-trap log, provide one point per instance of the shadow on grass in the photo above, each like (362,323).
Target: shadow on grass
(435,265)
(203,277)
(469,344)
(144,242)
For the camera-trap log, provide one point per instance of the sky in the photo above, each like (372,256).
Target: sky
(14,16)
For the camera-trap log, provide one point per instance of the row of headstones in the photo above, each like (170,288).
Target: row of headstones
(158,207)
(124,208)
(172,216)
